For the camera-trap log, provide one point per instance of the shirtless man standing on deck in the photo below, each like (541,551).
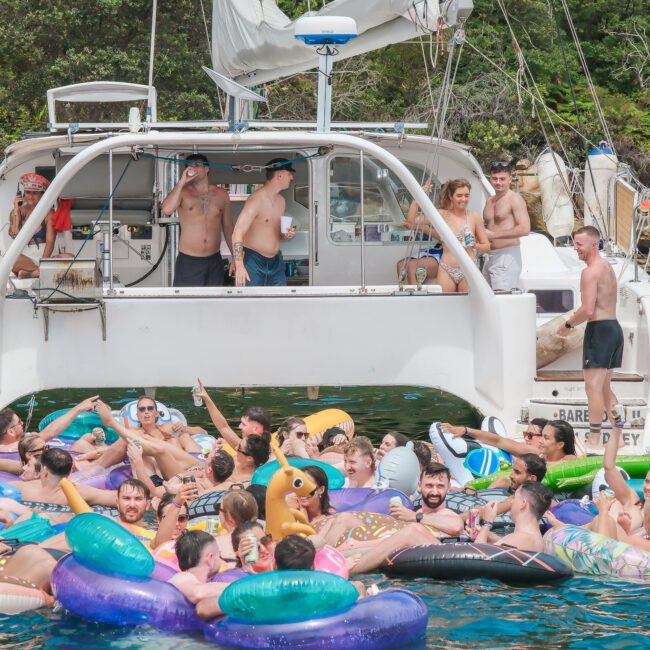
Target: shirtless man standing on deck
(603,343)
(506,221)
(204,212)
(256,237)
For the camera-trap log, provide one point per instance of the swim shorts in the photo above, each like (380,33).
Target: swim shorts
(191,271)
(603,344)
(503,268)
(264,271)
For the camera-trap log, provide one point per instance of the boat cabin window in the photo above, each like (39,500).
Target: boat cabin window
(385,202)
(553,301)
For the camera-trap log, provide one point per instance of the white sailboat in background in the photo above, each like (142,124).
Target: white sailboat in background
(343,319)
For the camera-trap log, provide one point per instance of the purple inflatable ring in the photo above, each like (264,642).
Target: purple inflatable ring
(104,598)
(393,618)
(366,500)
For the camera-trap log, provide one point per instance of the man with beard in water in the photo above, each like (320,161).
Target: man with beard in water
(423,526)
(34,563)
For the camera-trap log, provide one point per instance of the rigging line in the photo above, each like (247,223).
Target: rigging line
(518,50)
(574,98)
(505,73)
(585,67)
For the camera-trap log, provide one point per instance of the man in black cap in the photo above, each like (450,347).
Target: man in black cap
(257,234)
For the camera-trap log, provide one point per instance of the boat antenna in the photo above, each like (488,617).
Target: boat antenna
(152,48)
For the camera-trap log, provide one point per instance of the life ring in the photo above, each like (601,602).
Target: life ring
(319,423)
(392,618)
(459,501)
(594,554)
(575,511)
(469,561)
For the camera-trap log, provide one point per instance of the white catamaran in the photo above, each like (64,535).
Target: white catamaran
(112,317)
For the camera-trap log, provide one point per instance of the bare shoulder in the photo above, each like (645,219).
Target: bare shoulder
(516,199)
(220,192)
(474,216)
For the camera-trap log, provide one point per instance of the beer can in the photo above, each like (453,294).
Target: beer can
(254,554)
(473,519)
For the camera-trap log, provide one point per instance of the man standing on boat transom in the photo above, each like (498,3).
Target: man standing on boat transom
(257,234)
(204,212)
(507,221)
(603,343)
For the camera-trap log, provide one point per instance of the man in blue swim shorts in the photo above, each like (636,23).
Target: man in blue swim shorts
(603,342)
(256,237)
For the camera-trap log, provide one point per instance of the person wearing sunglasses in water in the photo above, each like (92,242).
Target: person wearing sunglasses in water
(506,221)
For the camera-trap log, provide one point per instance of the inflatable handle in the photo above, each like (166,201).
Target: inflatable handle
(76,501)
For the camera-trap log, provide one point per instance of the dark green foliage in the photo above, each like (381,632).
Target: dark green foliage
(47,43)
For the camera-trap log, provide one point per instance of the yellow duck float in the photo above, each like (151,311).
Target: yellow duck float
(281,520)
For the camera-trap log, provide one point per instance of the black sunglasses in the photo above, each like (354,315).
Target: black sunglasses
(500,165)
(142,409)
(183,518)
(241,451)
(40,450)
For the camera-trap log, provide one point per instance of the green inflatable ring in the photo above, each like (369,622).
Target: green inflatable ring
(277,596)
(84,423)
(263,474)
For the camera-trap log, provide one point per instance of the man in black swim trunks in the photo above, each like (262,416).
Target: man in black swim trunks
(603,342)
(204,212)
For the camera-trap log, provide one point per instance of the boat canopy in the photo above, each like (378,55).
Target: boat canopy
(253,40)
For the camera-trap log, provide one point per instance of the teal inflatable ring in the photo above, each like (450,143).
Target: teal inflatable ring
(263,474)
(84,423)
(282,596)
(103,545)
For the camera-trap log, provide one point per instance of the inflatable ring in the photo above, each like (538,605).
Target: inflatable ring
(84,423)
(17,597)
(279,596)
(104,598)
(9,491)
(207,505)
(263,474)
(470,561)
(393,618)
(103,545)
(129,414)
(594,554)
(319,423)
(575,512)
(366,500)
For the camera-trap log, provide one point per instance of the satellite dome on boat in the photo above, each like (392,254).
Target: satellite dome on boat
(325,30)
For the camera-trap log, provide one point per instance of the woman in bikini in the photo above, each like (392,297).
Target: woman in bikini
(468,227)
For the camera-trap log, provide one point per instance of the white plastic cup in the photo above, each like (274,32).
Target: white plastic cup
(285,224)
(198,400)
(395,501)
(191,172)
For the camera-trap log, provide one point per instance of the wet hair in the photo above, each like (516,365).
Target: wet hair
(563,433)
(57,461)
(260,415)
(189,548)
(539,422)
(287,425)
(400,438)
(240,505)
(27,444)
(294,552)
(258,448)
(320,478)
(197,157)
(588,230)
(535,466)
(434,469)
(362,445)
(259,494)
(135,483)
(538,496)
(222,465)
(422,451)
(6,416)
(240,531)
(449,188)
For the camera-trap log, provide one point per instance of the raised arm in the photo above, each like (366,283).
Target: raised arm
(218,418)
(58,426)
(168,523)
(174,199)
(622,491)
(489,438)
